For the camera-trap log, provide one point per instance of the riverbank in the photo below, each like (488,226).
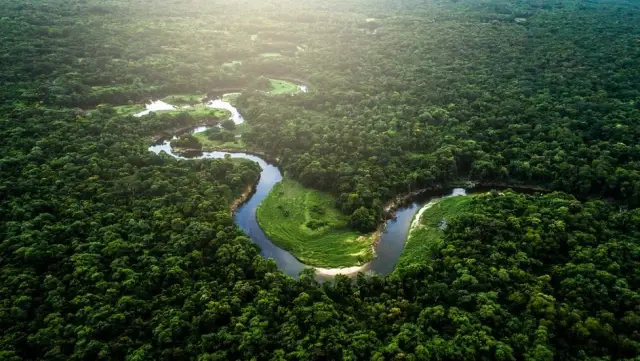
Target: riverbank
(347,271)
(406,198)
(426,230)
(267,157)
(280,87)
(298,81)
(518,187)
(183,129)
(249,190)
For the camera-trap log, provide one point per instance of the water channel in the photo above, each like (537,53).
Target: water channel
(388,249)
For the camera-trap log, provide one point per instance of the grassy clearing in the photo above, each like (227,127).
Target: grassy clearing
(427,237)
(219,144)
(129,109)
(230,97)
(306,223)
(202,112)
(183,99)
(199,112)
(270,55)
(279,87)
(235,143)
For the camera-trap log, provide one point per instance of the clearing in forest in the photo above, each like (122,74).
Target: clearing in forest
(199,112)
(128,109)
(184,103)
(184,99)
(307,223)
(230,97)
(279,87)
(223,138)
(202,112)
(426,237)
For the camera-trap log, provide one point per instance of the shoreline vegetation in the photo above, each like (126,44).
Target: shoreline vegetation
(182,129)
(267,157)
(245,195)
(280,87)
(427,227)
(306,223)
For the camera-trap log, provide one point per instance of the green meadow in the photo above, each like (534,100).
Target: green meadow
(183,99)
(279,87)
(307,223)
(426,238)
(231,141)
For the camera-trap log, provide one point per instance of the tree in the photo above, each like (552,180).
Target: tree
(363,219)
(228,124)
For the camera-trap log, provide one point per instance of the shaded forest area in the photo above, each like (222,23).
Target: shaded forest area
(110,252)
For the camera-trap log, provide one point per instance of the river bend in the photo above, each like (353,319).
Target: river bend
(388,250)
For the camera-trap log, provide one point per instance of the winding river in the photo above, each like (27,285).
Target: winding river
(388,249)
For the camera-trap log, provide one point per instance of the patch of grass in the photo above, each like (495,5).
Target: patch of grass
(183,99)
(198,112)
(236,143)
(230,97)
(129,109)
(306,223)
(218,144)
(201,112)
(425,239)
(279,87)
(270,55)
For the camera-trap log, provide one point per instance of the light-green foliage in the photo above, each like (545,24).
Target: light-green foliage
(230,97)
(279,87)
(270,55)
(306,223)
(129,109)
(197,111)
(183,99)
(237,143)
(201,112)
(427,237)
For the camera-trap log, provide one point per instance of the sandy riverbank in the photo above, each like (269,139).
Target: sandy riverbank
(347,271)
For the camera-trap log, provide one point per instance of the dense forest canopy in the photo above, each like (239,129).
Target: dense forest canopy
(111,252)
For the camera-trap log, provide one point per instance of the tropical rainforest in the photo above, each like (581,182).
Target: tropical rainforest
(111,252)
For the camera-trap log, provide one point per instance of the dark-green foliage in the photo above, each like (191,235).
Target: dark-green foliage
(110,252)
